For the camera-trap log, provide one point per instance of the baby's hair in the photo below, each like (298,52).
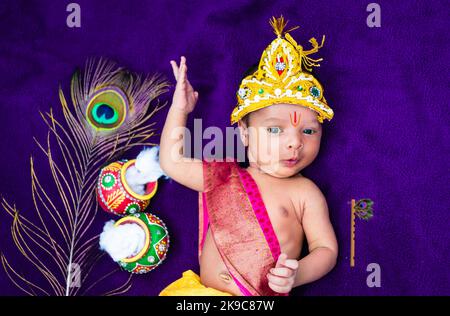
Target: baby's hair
(250,71)
(245,119)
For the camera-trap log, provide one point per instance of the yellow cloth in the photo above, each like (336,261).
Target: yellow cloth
(189,285)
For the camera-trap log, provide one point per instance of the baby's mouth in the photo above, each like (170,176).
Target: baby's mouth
(290,162)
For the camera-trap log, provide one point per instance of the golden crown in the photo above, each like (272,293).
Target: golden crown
(280,78)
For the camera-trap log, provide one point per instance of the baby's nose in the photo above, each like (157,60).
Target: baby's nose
(295,142)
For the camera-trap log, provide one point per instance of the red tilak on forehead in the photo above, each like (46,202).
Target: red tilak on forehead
(295,120)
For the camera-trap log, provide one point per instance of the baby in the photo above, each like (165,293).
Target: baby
(253,220)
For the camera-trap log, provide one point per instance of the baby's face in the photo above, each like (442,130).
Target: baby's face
(282,139)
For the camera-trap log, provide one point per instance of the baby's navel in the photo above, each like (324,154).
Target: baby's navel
(225,276)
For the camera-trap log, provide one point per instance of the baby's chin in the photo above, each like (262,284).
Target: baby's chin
(279,171)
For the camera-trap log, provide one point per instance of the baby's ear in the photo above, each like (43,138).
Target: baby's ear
(243,132)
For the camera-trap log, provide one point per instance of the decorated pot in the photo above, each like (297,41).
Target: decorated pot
(156,243)
(115,196)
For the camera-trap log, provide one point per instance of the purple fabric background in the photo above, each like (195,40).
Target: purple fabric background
(388,141)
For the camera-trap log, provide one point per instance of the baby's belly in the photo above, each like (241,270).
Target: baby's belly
(213,272)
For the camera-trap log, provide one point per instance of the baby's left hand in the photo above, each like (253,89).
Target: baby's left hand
(282,277)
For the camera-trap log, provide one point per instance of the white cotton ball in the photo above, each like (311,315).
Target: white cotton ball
(147,162)
(146,169)
(135,180)
(122,241)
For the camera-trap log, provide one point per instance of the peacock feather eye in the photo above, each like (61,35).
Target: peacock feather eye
(104,113)
(363,209)
(107,109)
(362,204)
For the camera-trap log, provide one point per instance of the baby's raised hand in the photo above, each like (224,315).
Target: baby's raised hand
(184,97)
(282,277)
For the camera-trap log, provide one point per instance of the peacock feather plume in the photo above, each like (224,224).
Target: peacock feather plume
(364,209)
(111,112)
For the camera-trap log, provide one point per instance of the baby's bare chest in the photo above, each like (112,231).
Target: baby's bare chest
(284,210)
(286,222)
(284,205)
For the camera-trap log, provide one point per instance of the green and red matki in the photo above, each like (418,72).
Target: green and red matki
(115,196)
(156,243)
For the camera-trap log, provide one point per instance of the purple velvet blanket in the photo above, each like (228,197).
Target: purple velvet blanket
(388,140)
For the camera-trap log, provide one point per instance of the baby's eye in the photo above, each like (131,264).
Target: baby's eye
(274,130)
(309,131)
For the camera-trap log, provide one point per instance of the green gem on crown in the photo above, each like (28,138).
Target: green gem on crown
(299,88)
(260,91)
(315,92)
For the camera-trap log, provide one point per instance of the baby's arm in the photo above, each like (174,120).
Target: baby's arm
(322,243)
(184,170)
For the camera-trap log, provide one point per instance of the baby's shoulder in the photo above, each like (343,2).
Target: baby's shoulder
(303,183)
(311,196)
(306,189)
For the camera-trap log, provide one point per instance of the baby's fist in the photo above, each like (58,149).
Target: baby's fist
(282,277)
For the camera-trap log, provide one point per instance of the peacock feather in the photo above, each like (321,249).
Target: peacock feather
(364,209)
(109,115)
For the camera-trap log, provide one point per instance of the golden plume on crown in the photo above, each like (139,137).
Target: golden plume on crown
(281,79)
